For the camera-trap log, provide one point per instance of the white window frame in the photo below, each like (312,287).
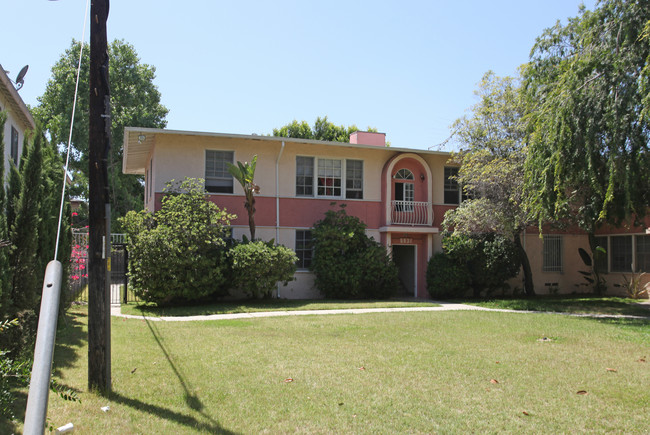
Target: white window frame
(319,164)
(224,176)
(353,177)
(450,185)
(306,247)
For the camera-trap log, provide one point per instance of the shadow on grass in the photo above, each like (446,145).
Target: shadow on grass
(209,426)
(248,305)
(70,337)
(191,400)
(578,304)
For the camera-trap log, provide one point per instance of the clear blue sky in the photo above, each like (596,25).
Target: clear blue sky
(408,68)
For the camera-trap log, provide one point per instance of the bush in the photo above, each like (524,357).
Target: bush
(179,252)
(447,278)
(347,263)
(483,262)
(258,266)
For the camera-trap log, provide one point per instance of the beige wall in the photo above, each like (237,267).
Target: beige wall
(11,122)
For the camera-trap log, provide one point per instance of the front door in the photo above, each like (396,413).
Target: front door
(404,258)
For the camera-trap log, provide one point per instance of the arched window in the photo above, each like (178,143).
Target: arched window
(404,174)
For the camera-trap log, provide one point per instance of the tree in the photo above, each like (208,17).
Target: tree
(135,101)
(245,174)
(179,252)
(492,157)
(24,229)
(322,130)
(586,89)
(347,263)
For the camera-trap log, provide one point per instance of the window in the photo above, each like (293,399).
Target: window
(329,175)
(217,177)
(642,254)
(14,145)
(354,179)
(404,190)
(599,256)
(303,249)
(304,176)
(621,253)
(552,261)
(452,190)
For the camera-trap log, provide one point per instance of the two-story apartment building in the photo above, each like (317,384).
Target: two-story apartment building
(401,194)
(19,120)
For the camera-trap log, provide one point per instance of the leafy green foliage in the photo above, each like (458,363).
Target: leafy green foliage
(258,266)
(586,91)
(135,100)
(245,174)
(487,261)
(179,252)
(492,156)
(347,263)
(24,229)
(323,129)
(593,276)
(447,278)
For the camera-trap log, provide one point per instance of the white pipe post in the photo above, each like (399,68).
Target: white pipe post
(39,386)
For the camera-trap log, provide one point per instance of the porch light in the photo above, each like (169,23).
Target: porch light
(141,138)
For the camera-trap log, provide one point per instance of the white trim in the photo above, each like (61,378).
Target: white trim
(343,178)
(389,184)
(404,229)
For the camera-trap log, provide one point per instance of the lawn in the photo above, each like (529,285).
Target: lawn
(576,304)
(260,305)
(417,372)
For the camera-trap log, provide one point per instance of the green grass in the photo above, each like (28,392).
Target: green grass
(417,372)
(570,304)
(252,306)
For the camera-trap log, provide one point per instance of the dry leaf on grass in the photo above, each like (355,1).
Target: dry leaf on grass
(609,369)
(494,381)
(525,413)
(641,359)
(288,380)
(362,368)
(582,392)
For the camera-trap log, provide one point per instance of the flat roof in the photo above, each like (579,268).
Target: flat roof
(137,150)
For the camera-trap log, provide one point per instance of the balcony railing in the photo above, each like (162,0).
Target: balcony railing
(411,213)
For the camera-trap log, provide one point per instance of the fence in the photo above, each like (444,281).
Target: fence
(120,292)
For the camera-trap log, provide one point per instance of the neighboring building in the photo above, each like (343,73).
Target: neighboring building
(19,120)
(401,195)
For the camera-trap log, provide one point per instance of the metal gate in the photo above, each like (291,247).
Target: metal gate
(78,289)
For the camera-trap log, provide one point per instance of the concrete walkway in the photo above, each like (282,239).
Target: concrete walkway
(444,306)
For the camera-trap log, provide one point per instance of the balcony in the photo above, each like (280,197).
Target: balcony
(411,213)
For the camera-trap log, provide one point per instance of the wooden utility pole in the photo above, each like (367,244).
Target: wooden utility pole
(99,136)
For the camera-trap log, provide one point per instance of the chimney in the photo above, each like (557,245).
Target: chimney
(368,138)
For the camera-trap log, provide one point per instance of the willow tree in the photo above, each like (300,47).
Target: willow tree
(244,173)
(492,158)
(586,88)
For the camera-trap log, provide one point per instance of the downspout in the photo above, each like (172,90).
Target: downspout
(277,203)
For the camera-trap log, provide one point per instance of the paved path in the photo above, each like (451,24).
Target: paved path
(444,306)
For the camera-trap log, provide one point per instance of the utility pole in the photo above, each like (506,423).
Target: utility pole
(99,142)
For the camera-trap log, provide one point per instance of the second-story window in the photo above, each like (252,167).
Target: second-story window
(354,179)
(452,189)
(304,176)
(329,177)
(326,177)
(217,177)
(404,190)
